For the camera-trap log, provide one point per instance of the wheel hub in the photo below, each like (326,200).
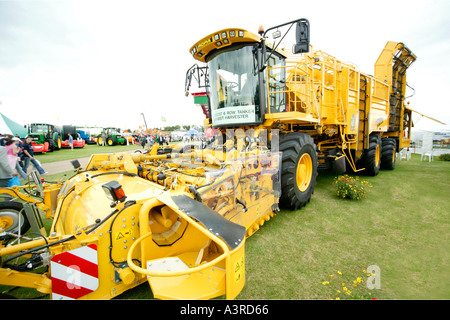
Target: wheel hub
(377,155)
(8,220)
(304,172)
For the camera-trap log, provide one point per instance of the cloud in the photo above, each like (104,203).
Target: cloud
(36,32)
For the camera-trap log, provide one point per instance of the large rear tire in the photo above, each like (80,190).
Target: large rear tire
(388,153)
(51,145)
(298,169)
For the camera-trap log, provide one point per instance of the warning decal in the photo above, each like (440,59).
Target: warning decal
(74,273)
(124,234)
(239,268)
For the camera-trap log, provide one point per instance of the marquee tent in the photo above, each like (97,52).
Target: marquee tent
(192,132)
(8,126)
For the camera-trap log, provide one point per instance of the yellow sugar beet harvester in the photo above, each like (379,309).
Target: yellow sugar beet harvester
(180,220)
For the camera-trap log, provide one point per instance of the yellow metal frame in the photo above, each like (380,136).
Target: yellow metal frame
(324,95)
(150,222)
(234,283)
(49,196)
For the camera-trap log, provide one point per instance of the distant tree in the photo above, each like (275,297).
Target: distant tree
(171,128)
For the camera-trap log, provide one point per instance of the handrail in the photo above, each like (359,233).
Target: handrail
(292,71)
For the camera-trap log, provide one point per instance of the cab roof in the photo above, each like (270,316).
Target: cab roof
(221,39)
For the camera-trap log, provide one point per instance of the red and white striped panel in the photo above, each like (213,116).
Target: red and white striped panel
(74,273)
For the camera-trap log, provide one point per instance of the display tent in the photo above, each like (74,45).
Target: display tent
(193,132)
(8,126)
(432,142)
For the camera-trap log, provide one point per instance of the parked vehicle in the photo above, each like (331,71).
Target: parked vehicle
(44,137)
(77,141)
(111,136)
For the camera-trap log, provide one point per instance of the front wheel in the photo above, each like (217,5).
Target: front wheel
(110,142)
(372,158)
(298,169)
(13,217)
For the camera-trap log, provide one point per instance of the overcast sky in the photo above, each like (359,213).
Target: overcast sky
(95,62)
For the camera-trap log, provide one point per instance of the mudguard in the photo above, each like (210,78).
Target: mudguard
(228,231)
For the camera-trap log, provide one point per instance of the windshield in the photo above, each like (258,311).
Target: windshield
(39,128)
(112,131)
(234,86)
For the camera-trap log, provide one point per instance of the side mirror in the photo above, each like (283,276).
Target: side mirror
(76,164)
(302,37)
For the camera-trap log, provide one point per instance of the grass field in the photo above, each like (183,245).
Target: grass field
(77,153)
(401,227)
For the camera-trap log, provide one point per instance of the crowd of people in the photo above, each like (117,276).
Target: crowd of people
(15,158)
(150,139)
(17,154)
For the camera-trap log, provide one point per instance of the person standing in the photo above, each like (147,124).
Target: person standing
(142,141)
(13,149)
(6,172)
(28,155)
(161,140)
(70,142)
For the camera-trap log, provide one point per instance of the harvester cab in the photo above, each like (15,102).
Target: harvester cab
(234,79)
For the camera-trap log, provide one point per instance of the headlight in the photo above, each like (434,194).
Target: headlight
(114,191)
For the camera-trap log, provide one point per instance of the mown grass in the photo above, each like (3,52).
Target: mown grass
(77,153)
(401,226)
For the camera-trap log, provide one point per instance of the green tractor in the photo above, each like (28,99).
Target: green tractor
(111,137)
(44,137)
